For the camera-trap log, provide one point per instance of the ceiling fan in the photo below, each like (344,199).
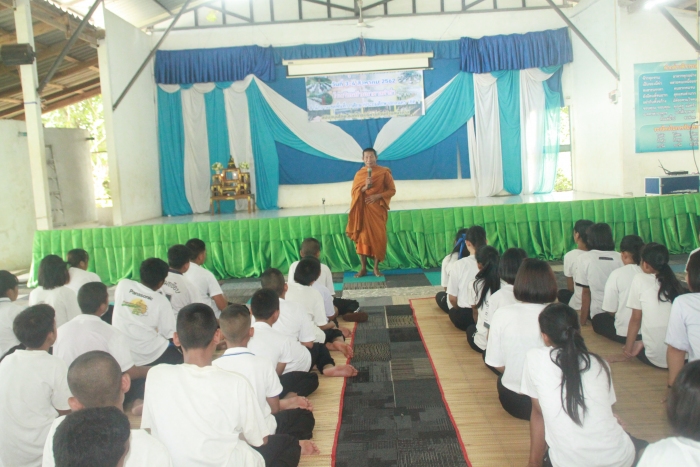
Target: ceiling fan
(361,22)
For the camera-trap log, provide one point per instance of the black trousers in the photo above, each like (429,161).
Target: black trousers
(280,451)
(171,356)
(462,318)
(295,422)
(604,324)
(564,296)
(345,306)
(302,383)
(471,331)
(639,444)
(320,357)
(136,390)
(518,405)
(442,301)
(642,357)
(332,335)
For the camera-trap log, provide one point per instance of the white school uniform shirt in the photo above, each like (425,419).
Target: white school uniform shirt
(617,290)
(328,306)
(674,451)
(206,285)
(80,277)
(485,312)
(514,330)
(691,254)
(462,272)
(145,317)
(200,413)
(8,313)
(447,263)
(500,299)
(278,348)
(569,271)
(683,331)
(144,449)
(33,386)
(592,270)
(325,279)
(312,301)
(261,375)
(179,291)
(295,322)
(63,300)
(86,333)
(601,441)
(655,315)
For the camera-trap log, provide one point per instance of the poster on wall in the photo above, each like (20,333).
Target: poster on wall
(365,95)
(666,101)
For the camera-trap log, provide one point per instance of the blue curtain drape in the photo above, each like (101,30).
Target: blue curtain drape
(508,86)
(217,132)
(171,141)
(550,151)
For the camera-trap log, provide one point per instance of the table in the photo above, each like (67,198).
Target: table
(218,199)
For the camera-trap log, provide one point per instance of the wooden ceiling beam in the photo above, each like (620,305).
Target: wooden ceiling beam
(86,88)
(39,29)
(66,73)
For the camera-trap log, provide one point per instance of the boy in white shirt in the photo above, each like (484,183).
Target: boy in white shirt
(96,381)
(291,415)
(9,290)
(572,294)
(206,416)
(210,292)
(78,260)
(33,389)
(462,274)
(146,317)
(179,291)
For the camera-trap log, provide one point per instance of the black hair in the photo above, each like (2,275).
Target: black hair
(308,270)
(153,271)
(196,326)
(509,264)
(53,272)
(77,256)
(633,244)
(460,245)
(310,247)
(95,379)
(693,271)
(535,282)
(33,325)
(370,149)
(273,279)
(178,256)
(487,279)
(196,247)
(599,237)
(264,303)
(560,323)
(683,406)
(656,256)
(94,437)
(235,322)
(8,281)
(476,235)
(92,296)
(580,227)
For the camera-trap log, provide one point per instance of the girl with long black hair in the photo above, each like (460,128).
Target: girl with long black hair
(486,283)
(459,251)
(572,398)
(461,274)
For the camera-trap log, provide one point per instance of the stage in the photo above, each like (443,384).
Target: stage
(420,233)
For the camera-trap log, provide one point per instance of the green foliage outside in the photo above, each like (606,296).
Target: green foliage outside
(562,182)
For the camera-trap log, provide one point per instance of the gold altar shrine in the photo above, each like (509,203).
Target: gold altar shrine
(230,184)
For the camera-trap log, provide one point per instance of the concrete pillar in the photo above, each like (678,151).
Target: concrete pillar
(32,112)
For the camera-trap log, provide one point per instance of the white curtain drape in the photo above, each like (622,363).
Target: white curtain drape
(197,167)
(485,150)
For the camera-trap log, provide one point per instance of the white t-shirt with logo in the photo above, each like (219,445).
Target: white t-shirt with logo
(672,452)
(179,291)
(485,312)
(643,296)
(592,270)
(33,386)
(325,279)
(8,313)
(278,348)
(461,274)
(601,441)
(206,285)
(145,317)
(617,290)
(569,271)
(63,300)
(295,322)
(80,277)
(447,263)
(683,331)
(312,301)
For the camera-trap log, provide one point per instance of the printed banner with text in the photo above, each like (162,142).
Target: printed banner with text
(365,95)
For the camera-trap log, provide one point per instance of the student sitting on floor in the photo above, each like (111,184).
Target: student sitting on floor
(53,290)
(462,273)
(572,397)
(204,415)
(205,283)
(651,295)
(459,251)
(301,291)
(614,322)
(93,437)
(486,283)
(177,288)
(572,294)
(9,290)
(683,411)
(88,332)
(33,389)
(289,416)
(683,333)
(96,380)
(593,268)
(515,330)
(78,260)
(145,316)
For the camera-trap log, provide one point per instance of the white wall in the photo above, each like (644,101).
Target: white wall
(17,223)
(132,133)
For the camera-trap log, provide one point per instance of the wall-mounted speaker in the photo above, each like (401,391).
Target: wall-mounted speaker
(17,54)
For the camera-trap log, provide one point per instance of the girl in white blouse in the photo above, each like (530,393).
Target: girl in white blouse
(486,283)
(53,290)
(459,251)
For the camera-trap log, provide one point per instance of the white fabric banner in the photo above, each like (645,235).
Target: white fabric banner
(197,167)
(485,151)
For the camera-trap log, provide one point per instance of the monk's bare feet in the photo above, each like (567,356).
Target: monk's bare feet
(362,273)
(137,408)
(377,273)
(343,371)
(297,402)
(308,448)
(341,346)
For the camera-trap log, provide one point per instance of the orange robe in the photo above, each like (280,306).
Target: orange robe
(367,222)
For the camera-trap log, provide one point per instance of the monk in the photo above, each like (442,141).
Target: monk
(369,210)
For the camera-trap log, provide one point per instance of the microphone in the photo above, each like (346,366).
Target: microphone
(369,175)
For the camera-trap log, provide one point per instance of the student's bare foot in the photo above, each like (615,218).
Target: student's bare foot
(362,273)
(341,346)
(137,408)
(297,402)
(342,371)
(308,448)
(346,332)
